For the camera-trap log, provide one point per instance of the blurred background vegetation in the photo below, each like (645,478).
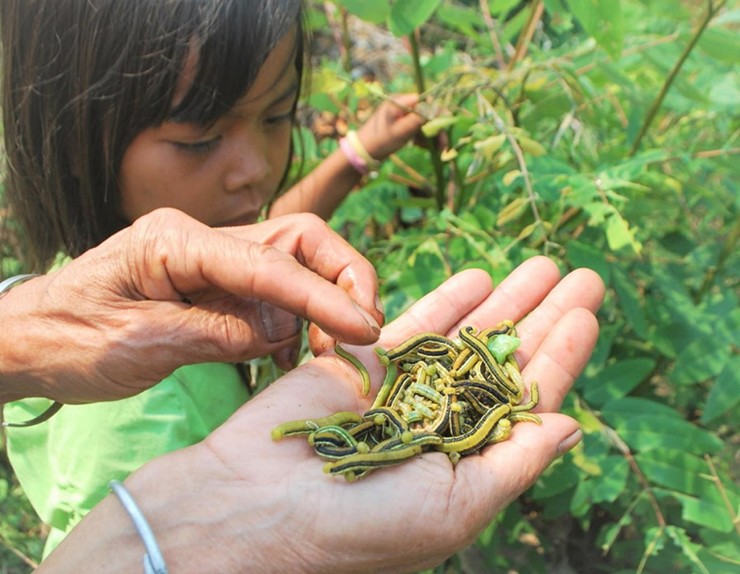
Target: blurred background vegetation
(601,133)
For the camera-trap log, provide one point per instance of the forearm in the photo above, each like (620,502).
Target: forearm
(321,191)
(196,527)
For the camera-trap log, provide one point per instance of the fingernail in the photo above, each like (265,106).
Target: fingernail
(277,323)
(568,443)
(379,306)
(373,324)
(287,357)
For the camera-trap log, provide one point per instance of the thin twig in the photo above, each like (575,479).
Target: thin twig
(622,447)
(723,493)
(430,143)
(18,553)
(522,162)
(524,39)
(653,111)
(491,25)
(340,33)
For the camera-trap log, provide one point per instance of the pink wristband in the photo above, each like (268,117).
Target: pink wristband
(354,160)
(357,155)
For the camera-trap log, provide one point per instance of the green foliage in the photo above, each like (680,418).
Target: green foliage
(604,134)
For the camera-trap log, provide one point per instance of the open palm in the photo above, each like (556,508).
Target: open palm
(293,517)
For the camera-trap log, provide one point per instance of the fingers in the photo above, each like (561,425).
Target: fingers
(520,292)
(392,125)
(310,272)
(562,356)
(310,240)
(441,310)
(580,288)
(505,470)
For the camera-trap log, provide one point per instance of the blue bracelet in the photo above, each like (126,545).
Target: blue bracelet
(153,559)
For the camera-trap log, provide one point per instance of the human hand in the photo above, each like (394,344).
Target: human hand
(169,291)
(390,126)
(268,507)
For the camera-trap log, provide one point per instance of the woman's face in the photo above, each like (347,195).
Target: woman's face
(223,174)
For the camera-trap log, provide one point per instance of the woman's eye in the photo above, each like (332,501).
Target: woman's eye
(199,147)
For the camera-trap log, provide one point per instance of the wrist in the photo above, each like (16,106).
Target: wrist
(357,155)
(17,359)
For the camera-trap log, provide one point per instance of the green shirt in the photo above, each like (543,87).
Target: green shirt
(64,464)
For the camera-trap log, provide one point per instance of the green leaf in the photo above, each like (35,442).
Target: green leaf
(631,303)
(532,147)
(407,15)
(558,478)
(674,469)
(648,432)
(721,44)
(464,19)
(705,511)
(699,361)
(617,411)
(602,19)
(425,270)
(502,7)
(582,254)
(725,393)
(512,211)
(612,481)
(619,234)
(689,548)
(375,12)
(618,379)
(490,145)
(501,346)
(436,125)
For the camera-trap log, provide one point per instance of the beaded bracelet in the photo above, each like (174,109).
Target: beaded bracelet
(153,559)
(357,155)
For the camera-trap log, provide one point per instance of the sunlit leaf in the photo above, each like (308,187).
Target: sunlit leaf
(649,431)
(374,12)
(511,176)
(708,512)
(448,154)
(619,235)
(407,15)
(436,125)
(603,20)
(531,146)
(700,360)
(512,211)
(490,145)
(674,469)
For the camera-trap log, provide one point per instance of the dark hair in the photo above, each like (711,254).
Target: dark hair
(82,78)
